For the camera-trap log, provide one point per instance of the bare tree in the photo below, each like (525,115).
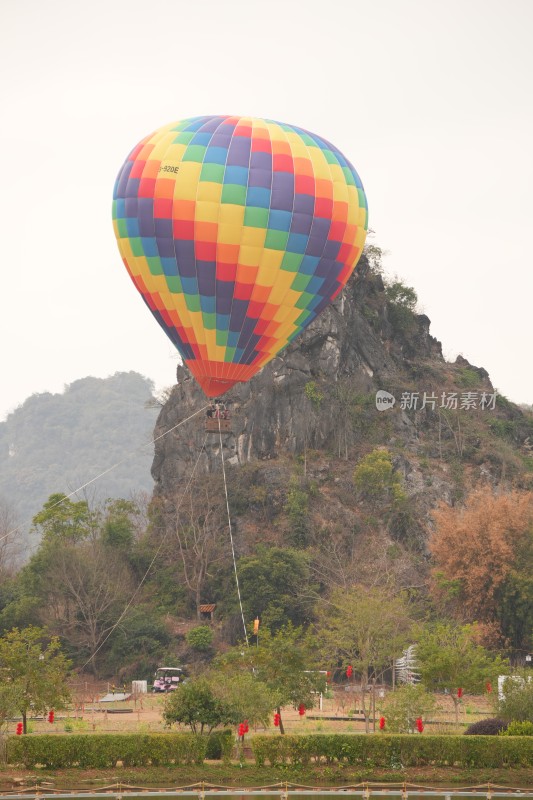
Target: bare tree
(200,536)
(89,586)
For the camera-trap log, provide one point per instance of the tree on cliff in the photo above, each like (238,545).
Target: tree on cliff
(377,480)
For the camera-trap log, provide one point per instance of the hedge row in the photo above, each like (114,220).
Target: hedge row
(105,750)
(165,749)
(384,750)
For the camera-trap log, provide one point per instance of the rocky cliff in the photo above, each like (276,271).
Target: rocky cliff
(309,417)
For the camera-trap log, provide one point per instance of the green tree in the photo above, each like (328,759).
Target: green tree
(285,662)
(62,520)
(398,293)
(401,306)
(514,608)
(137,646)
(78,582)
(250,697)
(119,524)
(297,508)
(200,638)
(197,705)
(405,705)
(377,480)
(366,629)
(8,707)
(35,670)
(449,659)
(516,704)
(276,586)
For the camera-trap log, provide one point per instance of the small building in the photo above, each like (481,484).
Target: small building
(207,611)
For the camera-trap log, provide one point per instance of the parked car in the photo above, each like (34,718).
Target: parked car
(167,679)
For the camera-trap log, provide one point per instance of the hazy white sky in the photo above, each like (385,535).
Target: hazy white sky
(430,100)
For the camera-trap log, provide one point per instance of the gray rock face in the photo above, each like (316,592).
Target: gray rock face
(279,410)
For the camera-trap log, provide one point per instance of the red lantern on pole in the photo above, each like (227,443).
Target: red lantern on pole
(241,730)
(51,715)
(328,676)
(277,720)
(459,693)
(382,722)
(488,687)
(419,725)
(301,709)
(349,671)
(19,728)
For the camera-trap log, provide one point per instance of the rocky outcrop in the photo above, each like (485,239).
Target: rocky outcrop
(352,340)
(299,428)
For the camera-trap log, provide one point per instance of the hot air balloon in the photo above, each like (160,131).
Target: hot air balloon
(237,232)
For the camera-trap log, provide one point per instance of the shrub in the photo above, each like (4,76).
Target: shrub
(405,705)
(220,745)
(313,394)
(200,638)
(386,750)
(377,480)
(486,727)
(516,705)
(100,751)
(519,729)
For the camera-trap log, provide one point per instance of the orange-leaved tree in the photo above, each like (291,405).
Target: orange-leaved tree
(475,548)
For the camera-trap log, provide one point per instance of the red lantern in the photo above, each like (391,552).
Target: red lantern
(19,728)
(328,676)
(301,709)
(382,722)
(488,687)
(349,671)
(459,693)
(419,725)
(51,715)
(241,730)
(277,720)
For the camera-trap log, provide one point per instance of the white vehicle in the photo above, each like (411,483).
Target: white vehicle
(167,679)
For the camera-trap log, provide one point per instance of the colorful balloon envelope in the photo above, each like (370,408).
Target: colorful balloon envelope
(237,232)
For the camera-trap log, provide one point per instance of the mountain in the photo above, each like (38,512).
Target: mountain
(306,433)
(59,442)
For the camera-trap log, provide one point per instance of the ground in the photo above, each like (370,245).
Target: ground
(143,714)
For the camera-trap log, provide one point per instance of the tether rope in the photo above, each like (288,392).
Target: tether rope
(163,540)
(231,534)
(114,466)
